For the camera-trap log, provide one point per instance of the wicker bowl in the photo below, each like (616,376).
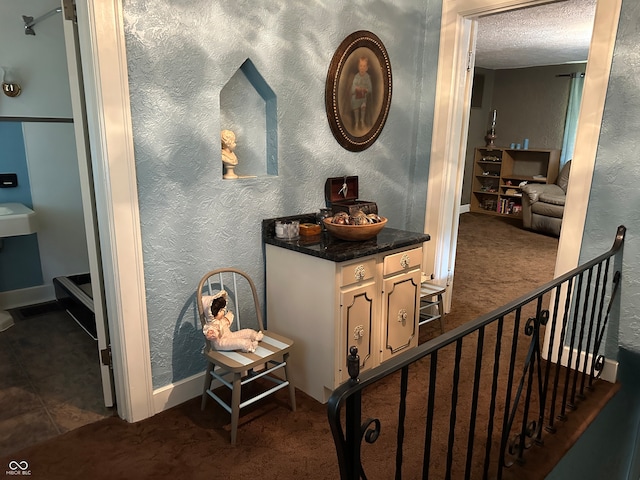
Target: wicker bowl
(354,233)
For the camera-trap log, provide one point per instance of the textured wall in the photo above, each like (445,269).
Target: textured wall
(615,194)
(180,55)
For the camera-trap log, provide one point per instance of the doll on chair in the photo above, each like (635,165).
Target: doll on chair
(217,328)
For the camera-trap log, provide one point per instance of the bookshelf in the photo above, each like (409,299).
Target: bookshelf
(498,173)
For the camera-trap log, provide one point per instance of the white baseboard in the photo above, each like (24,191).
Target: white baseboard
(26,296)
(177,393)
(465,208)
(182,391)
(609,370)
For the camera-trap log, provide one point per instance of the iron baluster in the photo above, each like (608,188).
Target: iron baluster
(492,405)
(454,408)
(474,402)
(402,411)
(542,320)
(433,371)
(549,427)
(596,345)
(563,331)
(505,422)
(600,359)
(583,322)
(566,401)
(587,349)
(519,442)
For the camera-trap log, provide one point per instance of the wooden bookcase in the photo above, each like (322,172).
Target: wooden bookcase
(498,173)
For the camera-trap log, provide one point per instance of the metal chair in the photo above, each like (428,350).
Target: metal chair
(234,369)
(431,304)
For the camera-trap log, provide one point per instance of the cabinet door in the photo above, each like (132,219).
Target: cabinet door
(357,311)
(400,307)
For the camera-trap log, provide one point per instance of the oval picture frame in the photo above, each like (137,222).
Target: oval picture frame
(357,108)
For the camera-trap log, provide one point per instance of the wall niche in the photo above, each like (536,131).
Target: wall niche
(248,107)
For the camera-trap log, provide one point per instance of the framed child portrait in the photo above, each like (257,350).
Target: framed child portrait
(358,90)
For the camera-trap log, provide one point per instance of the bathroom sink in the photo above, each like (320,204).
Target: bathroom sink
(16,219)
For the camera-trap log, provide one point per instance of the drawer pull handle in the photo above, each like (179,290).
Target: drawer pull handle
(402,315)
(405,261)
(359,272)
(358,332)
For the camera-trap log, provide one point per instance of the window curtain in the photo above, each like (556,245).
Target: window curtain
(571,125)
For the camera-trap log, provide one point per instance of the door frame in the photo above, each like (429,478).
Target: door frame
(88,197)
(451,117)
(104,66)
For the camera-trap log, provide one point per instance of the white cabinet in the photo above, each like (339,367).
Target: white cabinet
(358,312)
(326,307)
(400,301)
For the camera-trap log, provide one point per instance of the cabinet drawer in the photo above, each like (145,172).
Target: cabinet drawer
(357,271)
(402,261)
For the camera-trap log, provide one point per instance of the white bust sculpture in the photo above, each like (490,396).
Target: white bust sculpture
(229,159)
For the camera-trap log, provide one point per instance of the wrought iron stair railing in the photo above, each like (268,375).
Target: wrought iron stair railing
(471,402)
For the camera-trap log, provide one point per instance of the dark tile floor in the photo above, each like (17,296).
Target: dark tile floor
(49,379)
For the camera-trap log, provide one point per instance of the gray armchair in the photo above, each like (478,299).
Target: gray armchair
(543,204)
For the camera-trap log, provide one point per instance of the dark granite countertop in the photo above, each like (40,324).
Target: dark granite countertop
(330,248)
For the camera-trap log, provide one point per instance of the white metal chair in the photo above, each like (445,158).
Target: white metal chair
(241,368)
(431,304)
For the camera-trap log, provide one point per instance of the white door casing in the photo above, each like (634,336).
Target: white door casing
(104,67)
(87,191)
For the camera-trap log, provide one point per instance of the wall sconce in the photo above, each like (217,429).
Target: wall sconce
(10,85)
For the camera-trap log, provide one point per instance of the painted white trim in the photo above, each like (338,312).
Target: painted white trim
(88,205)
(27,296)
(179,392)
(609,371)
(183,390)
(466,208)
(104,64)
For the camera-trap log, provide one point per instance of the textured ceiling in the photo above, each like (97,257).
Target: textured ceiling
(550,34)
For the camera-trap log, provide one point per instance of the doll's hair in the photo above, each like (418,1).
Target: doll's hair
(218,304)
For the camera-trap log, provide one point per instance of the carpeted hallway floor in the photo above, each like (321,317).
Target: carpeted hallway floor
(496,262)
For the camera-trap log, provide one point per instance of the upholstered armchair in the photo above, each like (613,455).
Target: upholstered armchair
(543,204)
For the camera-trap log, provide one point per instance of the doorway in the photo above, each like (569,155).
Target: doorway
(453,93)
(523,86)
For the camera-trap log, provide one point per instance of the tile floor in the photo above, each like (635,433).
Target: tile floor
(49,378)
